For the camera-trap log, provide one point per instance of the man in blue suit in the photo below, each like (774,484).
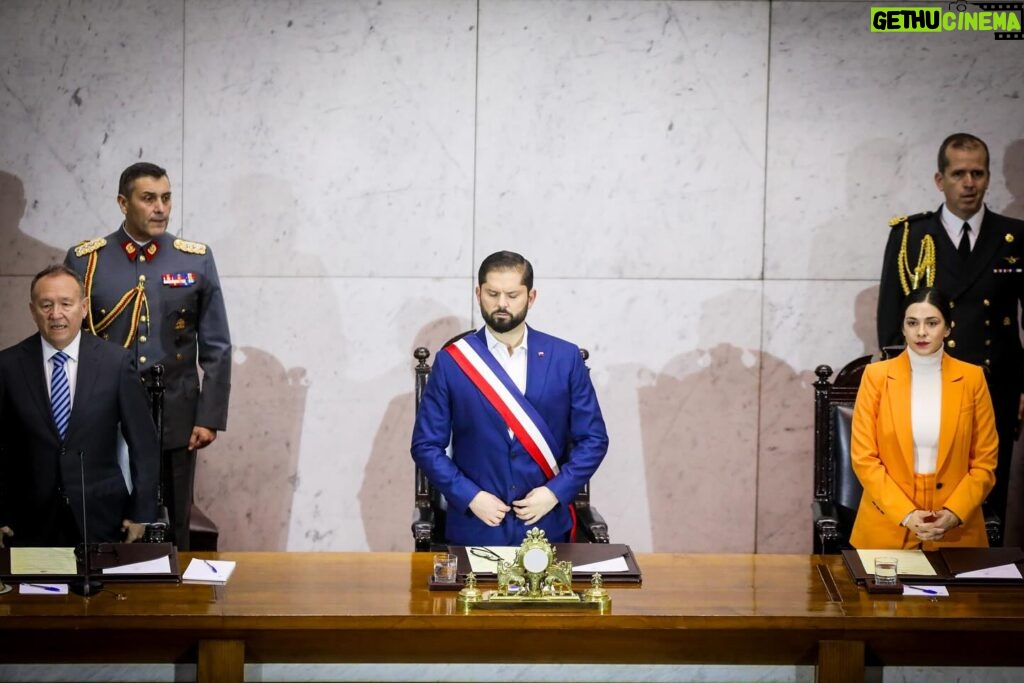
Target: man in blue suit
(520,413)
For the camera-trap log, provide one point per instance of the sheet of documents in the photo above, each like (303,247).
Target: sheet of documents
(925,591)
(907,561)
(43,561)
(482,565)
(208,571)
(43,589)
(161,565)
(1006,571)
(615,564)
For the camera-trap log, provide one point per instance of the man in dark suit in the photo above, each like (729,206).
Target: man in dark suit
(160,297)
(976,257)
(64,396)
(521,414)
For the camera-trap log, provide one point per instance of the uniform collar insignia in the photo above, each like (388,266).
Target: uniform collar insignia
(132,250)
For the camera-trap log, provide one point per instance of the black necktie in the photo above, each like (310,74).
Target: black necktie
(964,248)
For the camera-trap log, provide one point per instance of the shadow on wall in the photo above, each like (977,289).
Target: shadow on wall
(386,495)
(1013,176)
(786,450)
(246,480)
(20,255)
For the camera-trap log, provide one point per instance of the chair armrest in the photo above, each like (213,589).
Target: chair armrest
(422,528)
(993,526)
(590,525)
(156,532)
(827,538)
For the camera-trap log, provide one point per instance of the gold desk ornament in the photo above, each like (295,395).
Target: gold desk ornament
(534,579)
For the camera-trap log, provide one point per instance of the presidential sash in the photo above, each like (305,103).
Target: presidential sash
(519,414)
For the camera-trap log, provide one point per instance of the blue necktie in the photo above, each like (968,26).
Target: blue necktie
(60,393)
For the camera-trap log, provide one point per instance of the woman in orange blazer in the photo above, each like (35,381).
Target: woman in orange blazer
(924,442)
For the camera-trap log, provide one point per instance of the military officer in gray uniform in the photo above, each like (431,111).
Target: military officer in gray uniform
(976,257)
(159,296)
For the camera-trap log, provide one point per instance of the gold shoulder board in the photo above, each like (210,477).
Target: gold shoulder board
(190,247)
(86,247)
(897,220)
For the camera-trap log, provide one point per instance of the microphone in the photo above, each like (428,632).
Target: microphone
(84,586)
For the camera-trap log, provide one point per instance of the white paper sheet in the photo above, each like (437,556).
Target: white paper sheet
(615,564)
(43,589)
(208,571)
(1006,571)
(161,565)
(925,591)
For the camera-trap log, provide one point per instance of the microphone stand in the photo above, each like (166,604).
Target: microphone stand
(86,585)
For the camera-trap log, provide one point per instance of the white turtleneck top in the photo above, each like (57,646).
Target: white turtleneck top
(925,408)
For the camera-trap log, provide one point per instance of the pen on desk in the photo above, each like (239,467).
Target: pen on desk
(929,591)
(212,568)
(52,589)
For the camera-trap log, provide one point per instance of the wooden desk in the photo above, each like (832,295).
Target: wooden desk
(374,607)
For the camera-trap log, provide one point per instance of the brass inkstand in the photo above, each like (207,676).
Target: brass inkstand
(534,578)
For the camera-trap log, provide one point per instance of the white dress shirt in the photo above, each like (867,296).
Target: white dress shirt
(514,363)
(954,225)
(70,365)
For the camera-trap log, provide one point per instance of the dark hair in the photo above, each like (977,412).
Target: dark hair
(507,260)
(53,271)
(928,295)
(143,169)
(960,141)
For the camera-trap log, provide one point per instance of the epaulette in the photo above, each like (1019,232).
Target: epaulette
(897,221)
(86,247)
(190,247)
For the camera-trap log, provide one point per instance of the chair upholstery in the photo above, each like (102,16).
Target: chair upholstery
(428,523)
(837,491)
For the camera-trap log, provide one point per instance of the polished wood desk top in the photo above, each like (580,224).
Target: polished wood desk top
(375,607)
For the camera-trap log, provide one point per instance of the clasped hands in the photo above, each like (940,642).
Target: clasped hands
(931,526)
(133,531)
(491,510)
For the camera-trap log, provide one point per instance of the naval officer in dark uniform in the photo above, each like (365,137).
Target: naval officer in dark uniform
(976,257)
(159,296)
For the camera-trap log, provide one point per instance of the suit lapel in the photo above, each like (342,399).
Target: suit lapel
(85,382)
(899,407)
(984,250)
(952,398)
(538,360)
(35,378)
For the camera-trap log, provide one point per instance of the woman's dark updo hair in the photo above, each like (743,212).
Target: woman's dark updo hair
(928,295)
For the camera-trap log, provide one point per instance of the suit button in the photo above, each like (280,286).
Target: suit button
(178,356)
(938,485)
(986,302)
(951,343)
(106,335)
(142,258)
(952,324)
(987,323)
(142,359)
(952,304)
(103,311)
(988,361)
(143,319)
(1006,322)
(142,339)
(988,342)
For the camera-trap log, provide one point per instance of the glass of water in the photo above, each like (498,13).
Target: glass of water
(446,567)
(885,571)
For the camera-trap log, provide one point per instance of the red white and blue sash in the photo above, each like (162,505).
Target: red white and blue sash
(522,418)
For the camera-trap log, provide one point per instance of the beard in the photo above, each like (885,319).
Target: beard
(505,323)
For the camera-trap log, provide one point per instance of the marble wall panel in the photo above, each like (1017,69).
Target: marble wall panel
(89,87)
(316,454)
(806,324)
(623,139)
(676,368)
(855,121)
(329,138)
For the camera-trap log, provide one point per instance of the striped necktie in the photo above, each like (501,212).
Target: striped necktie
(60,393)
